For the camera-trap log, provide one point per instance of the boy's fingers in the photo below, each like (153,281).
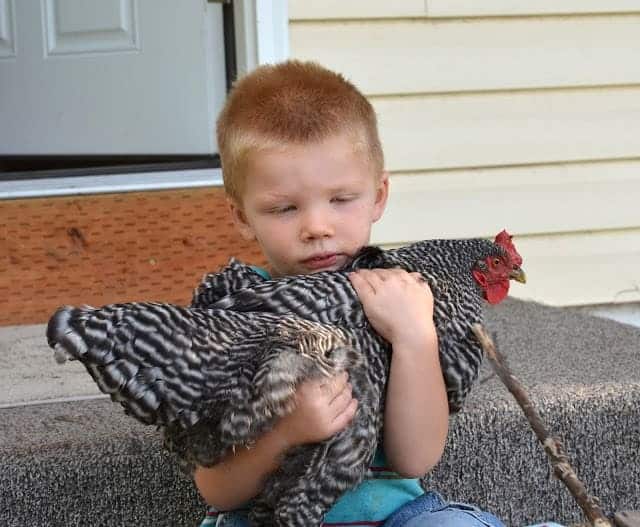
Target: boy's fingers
(335,384)
(341,379)
(373,277)
(423,281)
(376,277)
(347,415)
(341,385)
(361,283)
(343,418)
(342,399)
(377,274)
(391,272)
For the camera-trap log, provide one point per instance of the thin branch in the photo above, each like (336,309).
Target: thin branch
(552,445)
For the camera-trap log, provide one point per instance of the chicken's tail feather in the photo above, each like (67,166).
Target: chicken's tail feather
(128,350)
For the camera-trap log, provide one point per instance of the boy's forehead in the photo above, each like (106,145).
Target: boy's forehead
(283,178)
(336,149)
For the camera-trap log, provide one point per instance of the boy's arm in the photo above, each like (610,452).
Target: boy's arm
(400,307)
(240,476)
(416,408)
(323,408)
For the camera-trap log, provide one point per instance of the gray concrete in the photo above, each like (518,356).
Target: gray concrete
(28,373)
(86,463)
(627,313)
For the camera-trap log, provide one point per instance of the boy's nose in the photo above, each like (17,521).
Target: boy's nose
(316,226)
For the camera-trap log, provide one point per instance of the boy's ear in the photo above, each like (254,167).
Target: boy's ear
(382,193)
(240,220)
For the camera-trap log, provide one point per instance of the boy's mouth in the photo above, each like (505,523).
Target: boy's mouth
(321,261)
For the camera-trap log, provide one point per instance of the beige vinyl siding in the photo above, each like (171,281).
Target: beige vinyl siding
(367,9)
(527,201)
(402,56)
(354,9)
(468,8)
(494,114)
(494,129)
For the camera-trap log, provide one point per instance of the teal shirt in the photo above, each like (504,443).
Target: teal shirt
(262,272)
(381,494)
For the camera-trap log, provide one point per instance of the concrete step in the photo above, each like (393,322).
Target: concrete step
(29,375)
(70,457)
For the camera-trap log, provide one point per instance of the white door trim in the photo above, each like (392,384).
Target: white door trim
(262,32)
(262,37)
(136,182)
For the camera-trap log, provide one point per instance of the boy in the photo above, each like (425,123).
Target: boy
(304,174)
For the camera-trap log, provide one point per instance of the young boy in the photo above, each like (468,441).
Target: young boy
(304,174)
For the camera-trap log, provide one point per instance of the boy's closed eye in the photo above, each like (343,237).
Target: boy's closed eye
(343,199)
(281,209)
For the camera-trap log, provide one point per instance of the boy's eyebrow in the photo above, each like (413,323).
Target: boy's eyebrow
(273,196)
(343,190)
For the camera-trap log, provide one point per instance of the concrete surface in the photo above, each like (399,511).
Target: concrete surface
(628,313)
(28,373)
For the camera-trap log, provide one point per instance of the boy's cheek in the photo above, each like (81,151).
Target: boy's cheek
(241,222)
(246,232)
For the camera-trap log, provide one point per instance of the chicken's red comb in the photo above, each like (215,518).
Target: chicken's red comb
(504,240)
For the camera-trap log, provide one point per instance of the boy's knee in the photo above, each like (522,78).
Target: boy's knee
(454,516)
(432,510)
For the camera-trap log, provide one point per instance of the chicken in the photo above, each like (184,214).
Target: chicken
(217,374)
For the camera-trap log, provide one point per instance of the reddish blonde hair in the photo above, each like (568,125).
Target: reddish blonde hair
(292,103)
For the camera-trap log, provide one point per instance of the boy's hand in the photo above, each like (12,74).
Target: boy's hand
(398,304)
(323,408)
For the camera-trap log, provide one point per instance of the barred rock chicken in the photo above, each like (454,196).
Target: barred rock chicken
(217,374)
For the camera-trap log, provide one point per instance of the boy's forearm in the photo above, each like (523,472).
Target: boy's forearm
(240,476)
(416,408)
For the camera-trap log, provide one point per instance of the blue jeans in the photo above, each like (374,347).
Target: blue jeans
(431,510)
(428,510)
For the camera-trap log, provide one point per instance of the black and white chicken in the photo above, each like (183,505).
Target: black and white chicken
(217,374)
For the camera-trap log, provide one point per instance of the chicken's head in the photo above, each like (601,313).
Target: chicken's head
(494,271)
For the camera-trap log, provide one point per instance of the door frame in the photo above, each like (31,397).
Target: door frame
(260,36)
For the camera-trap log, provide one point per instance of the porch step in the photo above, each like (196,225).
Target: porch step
(69,457)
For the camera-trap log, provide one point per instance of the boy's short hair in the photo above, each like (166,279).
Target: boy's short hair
(292,102)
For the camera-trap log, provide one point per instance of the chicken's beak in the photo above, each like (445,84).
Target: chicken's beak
(518,275)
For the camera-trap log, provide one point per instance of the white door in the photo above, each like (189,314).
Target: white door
(103,77)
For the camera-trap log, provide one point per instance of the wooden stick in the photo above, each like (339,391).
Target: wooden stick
(552,445)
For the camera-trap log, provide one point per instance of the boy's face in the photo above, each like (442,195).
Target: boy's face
(310,207)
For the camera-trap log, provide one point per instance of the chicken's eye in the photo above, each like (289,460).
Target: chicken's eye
(496,261)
